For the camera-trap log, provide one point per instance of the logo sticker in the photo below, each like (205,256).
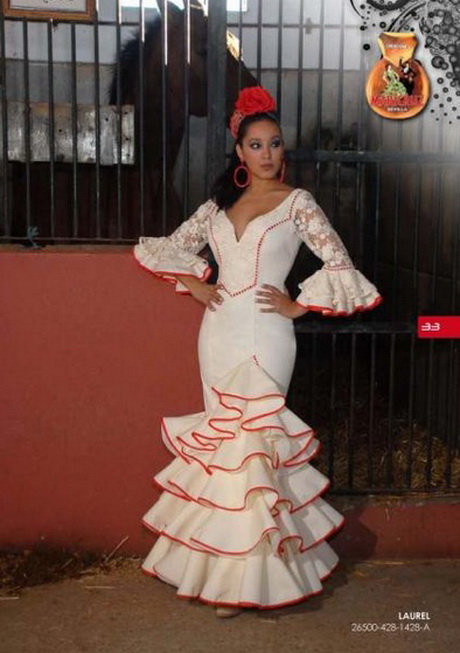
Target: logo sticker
(398,86)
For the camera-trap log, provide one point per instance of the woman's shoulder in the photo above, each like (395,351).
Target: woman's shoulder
(303,198)
(292,192)
(209,203)
(208,208)
(302,192)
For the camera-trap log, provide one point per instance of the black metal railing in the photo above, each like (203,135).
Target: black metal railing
(384,401)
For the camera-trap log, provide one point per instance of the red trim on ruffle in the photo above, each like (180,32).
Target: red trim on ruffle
(206,548)
(289,462)
(173,446)
(205,442)
(301,548)
(257,417)
(275,464)
(330,313)
(241,604)
(211,549)
(280,548)
(293,462)
(207,503)
(170,537)
(163,274)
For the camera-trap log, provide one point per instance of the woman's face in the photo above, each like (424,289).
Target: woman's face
(262,149)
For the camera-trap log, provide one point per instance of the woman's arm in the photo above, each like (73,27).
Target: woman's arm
(338,288)
(174,256)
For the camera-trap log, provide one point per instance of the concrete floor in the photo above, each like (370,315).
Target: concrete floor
(125,611)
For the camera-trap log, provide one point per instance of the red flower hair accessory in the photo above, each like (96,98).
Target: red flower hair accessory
(251,100)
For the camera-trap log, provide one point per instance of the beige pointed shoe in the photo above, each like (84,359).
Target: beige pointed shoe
(225,613)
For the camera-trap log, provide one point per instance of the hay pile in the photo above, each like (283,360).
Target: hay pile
(43,563)
(400,454)
(410,461)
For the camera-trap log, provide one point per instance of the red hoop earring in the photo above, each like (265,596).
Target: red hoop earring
(283,171)
(238,183)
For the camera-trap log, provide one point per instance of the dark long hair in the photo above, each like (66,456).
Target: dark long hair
(224,192)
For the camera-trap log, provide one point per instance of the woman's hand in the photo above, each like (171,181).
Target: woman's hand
(280,302)
(205,293)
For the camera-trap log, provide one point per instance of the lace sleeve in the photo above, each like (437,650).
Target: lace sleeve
(177,254)
(338,288)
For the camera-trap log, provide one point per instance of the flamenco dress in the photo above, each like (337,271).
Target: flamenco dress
(241,520)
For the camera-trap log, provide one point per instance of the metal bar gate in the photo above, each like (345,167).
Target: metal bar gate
(116,128)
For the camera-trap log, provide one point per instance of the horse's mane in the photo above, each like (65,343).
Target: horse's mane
(129,61)
(128,64)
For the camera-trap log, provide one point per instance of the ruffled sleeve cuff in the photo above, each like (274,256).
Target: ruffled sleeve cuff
(338,292)
(162,258)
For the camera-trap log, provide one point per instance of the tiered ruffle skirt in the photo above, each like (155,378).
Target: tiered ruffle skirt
(241,520)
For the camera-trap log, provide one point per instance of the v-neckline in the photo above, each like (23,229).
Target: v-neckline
(257,217)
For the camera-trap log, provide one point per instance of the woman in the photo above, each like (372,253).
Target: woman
(241,522)
(394,86)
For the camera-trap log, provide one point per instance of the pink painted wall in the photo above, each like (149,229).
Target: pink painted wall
(94,351)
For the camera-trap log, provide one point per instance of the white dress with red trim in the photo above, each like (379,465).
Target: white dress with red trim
(241,520)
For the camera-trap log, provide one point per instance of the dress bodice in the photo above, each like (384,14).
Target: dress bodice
(265,253)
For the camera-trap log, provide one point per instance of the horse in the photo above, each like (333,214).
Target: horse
(131,197)
(126,89)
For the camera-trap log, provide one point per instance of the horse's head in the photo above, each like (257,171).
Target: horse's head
(186,50)
(195,50)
